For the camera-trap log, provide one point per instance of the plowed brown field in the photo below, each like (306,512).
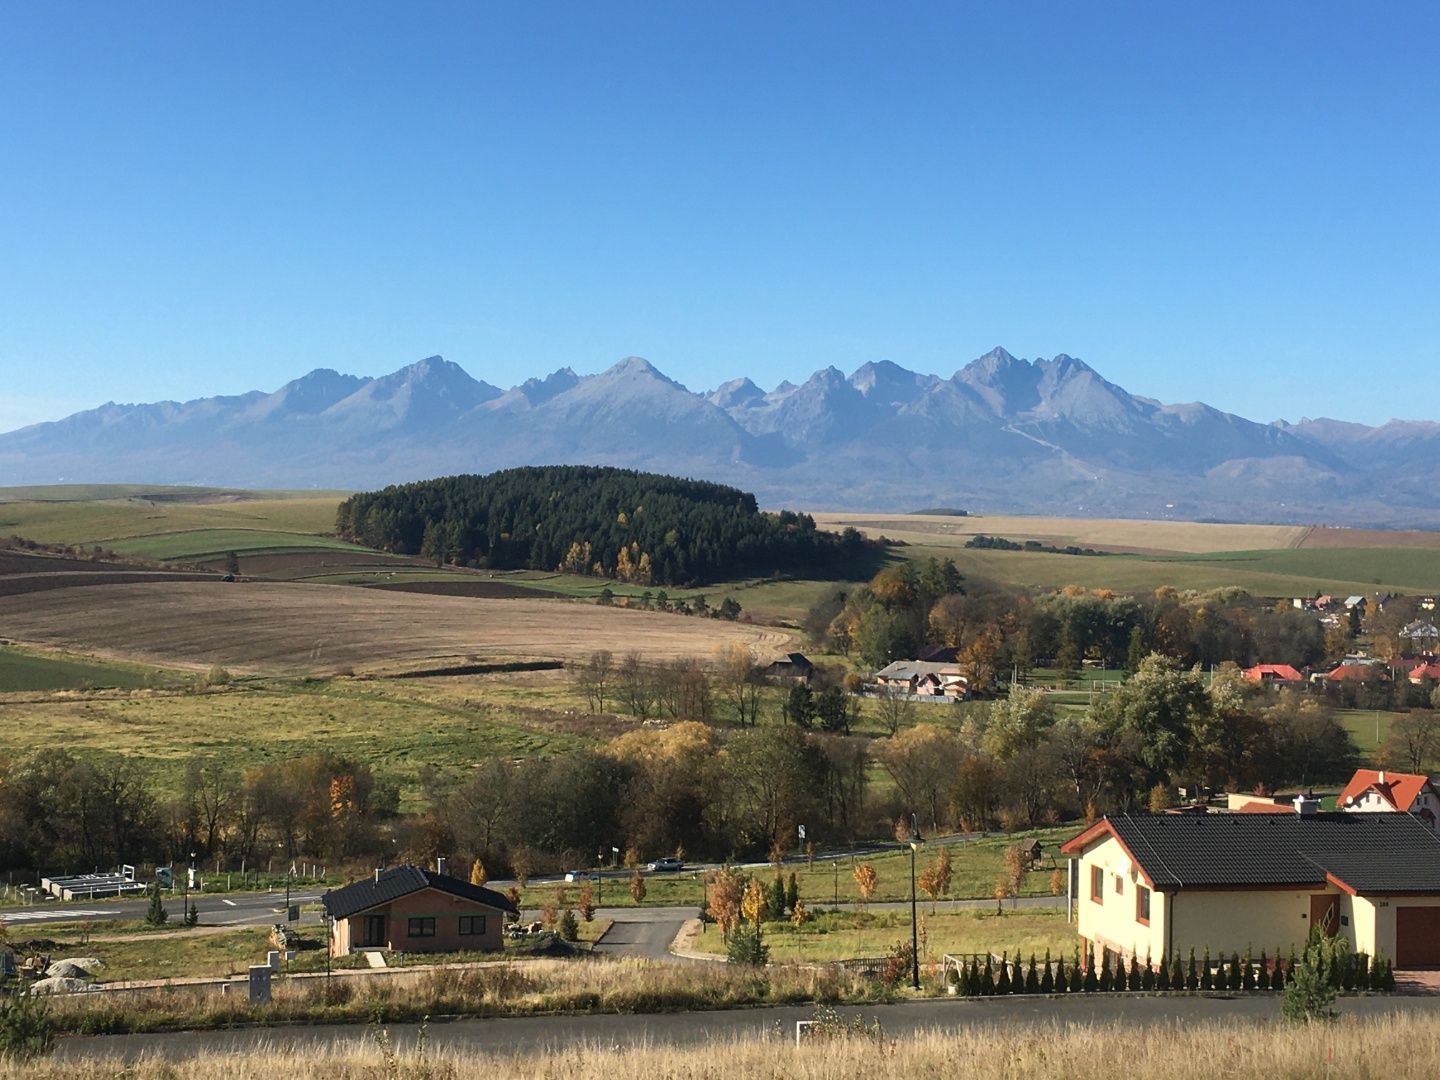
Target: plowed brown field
(280,628)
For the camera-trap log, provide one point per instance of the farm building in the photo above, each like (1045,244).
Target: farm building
(1371,791)
(1163,884)
(408,909)
(792,667)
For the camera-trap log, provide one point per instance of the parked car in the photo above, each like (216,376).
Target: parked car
(576,875)
(668,863)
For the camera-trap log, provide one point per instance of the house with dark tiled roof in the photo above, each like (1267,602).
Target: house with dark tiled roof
(1158,885)
(792,667)
(1378,791)
(410,909)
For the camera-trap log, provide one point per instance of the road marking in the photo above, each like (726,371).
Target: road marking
(230,902)
(42,916)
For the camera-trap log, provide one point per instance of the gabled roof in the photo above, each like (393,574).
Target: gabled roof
(1359,853)
(402,881)
(909,669)
(1282,672)
(792,659)
(1425,671)
(1353,672)
(1400,790)
(1264,808)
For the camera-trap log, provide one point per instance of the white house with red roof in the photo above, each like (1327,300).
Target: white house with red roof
(1381,792)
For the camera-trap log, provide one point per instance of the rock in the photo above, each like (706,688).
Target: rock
(61,986)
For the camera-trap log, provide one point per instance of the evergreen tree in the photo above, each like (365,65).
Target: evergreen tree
(1136,652)
(1032,978)
(777,898)
(1177,973)
(1107,980)
(1091,983)
(192,915)
(1262,973)
(1237,976)
(792,892)
(1139,973)
(1002,984)
(1077,975)
(987,978)
(1192,978)
(569,927)
(1207,976)
(1059,981)
(745,946)
(156,915)
(1162,977)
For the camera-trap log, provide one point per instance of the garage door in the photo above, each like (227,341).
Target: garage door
(1417,937)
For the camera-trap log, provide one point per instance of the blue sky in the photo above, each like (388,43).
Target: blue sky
(1236,203)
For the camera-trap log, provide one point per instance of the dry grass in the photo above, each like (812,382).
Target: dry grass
(292,628)
(1392,1048)
(1104,533)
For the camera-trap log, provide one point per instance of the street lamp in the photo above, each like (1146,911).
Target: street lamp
(915,841)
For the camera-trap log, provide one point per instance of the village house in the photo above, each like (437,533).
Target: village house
(1372,791)
(1279,674)
(409,909)
(1422,634)
(1160,885)
(922,679)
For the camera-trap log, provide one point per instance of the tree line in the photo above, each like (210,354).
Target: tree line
(640,528)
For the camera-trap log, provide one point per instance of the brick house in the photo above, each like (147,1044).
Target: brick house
(408,909)
(1158,885)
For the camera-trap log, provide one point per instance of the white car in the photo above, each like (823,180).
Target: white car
(660,866)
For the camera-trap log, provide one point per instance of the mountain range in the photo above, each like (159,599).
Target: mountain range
(1001,434)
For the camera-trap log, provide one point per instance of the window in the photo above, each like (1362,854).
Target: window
(1119,885)
(1142,905)
(422,927)
(1097,884)
(472,924)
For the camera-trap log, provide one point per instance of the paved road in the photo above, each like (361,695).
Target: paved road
(236,909)
(523,1034)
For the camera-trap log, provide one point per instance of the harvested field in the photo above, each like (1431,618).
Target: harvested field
(293,628)
(22,584)
(298,562)
(1320,537)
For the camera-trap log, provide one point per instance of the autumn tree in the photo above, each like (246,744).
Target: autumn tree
(738,682)
(586,905)
(1413,740)
(754,905)
(866,881)
(637,885)
(477,873)
(724,892)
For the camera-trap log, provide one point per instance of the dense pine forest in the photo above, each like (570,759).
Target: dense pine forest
(637,527)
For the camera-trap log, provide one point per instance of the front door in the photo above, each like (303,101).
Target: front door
(373,934)
(1325,913)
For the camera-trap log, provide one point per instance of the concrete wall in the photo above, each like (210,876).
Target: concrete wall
(444,908)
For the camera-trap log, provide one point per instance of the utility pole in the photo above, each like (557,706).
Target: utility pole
(915,842)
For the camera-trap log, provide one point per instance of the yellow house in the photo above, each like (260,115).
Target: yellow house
(1157,885)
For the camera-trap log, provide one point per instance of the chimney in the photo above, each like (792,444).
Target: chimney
(1306,805)
(377,875)
(1382,776)
(440,864)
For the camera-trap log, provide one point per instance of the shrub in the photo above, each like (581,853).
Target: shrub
(1077,975)
(1106,980)
(898,964)
(1032,977)
(1207,974)
(1047,980)
(987,978)
(745,946)
(1091,983)
(27,1030)
(1002,984)
(1309,995)
(569,928)
(1140,974)
(156,915)
(1236,979)
(1162,977)
(1262,974)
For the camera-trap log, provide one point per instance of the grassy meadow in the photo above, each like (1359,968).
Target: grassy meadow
(32,670)
(852,935)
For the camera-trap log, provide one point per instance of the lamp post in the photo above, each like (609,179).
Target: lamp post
(915,841)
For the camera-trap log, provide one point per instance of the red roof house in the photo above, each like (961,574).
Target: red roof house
(1276,673)
(1360,673)
(1380,791)
(1421,672)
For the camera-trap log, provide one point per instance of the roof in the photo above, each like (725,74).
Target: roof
(907,669)
(1361,672)
(1400,790)
(1283,672)
(794,659)
(1264,808)
(1425,671)
(1359,853)
(940,654)
(401,881)
(1420,628)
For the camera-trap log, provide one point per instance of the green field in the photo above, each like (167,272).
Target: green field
(199,544)
(851,935)
(103,514)
(396,728)
(26,669)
